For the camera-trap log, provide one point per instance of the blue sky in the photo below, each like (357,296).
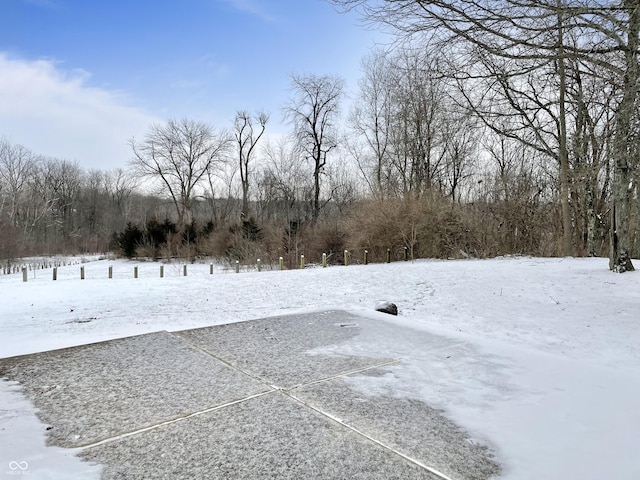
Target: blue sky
(81,77)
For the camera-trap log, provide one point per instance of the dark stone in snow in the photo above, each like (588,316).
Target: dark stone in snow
(387,307)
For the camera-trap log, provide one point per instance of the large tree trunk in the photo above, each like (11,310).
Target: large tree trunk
(592,220)
(621,236)
(244,215)
(316,190)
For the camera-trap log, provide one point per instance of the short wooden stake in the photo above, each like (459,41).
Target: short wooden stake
(211,269)
(25,274)
(366,254)
(388,255)
(281,263)
(110,271)
(405,254)
(81,273)
(237,266)
(259,266)
(301,261)
(55,273)
(324,260)
(135,272)
(161,271)
(184,271)
(346,258)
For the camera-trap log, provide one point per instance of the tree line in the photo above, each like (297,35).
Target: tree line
(559,77)
(488,128)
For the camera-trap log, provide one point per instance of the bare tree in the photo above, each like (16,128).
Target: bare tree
(16,167)
(93,201)
(460,141)
(372,118)
(313,112)
(222,206)
(248,129)
(546,32)
(283,183)
(17,164)
(525,100)
(624,141)
(591,98)
(53,204)
(179,154)
(398,119)
(419,95)
(119,186)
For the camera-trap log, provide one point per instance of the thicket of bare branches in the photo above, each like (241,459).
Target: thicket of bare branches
(522,68)
(512,212)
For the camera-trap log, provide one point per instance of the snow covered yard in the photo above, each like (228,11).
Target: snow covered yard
(545,366)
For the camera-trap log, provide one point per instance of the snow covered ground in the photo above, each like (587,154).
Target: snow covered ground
(546,367)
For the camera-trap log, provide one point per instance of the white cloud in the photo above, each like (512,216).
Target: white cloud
(56,112)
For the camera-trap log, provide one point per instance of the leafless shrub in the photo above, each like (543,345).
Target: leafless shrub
(433,227)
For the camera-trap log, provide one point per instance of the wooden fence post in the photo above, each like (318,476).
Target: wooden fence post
(81,273)
(388,255)
(25,274)
(366,260)
(346,258)
(301,261)
(211,269)
(237,266)
(55,273)
(110,271)
(161,271)
(259,266)
(184,271)
(135,272)
(281,263)
(324,260)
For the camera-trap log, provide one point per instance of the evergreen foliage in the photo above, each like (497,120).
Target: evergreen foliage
(130,239)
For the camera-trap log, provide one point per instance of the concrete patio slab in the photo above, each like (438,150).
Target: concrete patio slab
(405,425)
(266,437)
(270,398)
(89,393)
(279,350)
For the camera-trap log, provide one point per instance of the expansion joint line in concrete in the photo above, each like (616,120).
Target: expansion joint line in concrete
(220,359)
(275,387)
(344,374)
(368,437)
(172,421)
(289,393)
